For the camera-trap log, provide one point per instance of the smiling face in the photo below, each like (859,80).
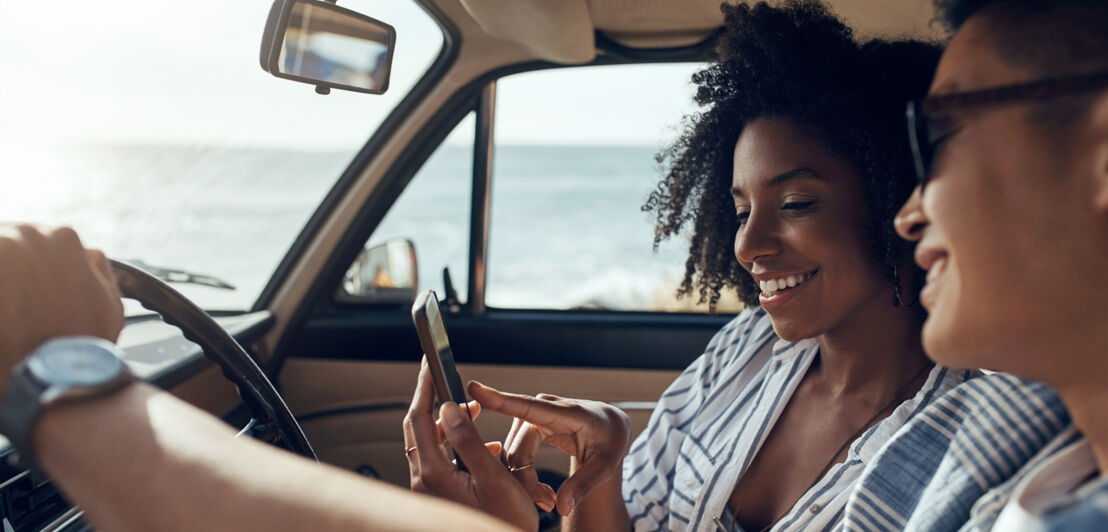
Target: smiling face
(1009,230)
(801,233)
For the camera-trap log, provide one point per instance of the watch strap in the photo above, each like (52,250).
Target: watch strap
(28,395)
(19,415)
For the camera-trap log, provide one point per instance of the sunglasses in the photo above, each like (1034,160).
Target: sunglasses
(926,127)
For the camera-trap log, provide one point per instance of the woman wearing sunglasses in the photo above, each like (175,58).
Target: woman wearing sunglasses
(787,181)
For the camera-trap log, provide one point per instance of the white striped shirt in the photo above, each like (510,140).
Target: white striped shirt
(712,420)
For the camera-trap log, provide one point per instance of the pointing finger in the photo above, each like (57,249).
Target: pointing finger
(537,411)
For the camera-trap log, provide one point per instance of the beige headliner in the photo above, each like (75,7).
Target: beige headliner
(560,31)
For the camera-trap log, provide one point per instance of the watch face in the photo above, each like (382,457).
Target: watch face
(75,363)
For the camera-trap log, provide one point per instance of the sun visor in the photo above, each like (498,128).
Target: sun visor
(656,23)
(555,30)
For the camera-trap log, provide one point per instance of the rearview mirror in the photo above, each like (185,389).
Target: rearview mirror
(384,273)
(318,42)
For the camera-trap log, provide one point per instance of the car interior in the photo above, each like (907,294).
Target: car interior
(331,333)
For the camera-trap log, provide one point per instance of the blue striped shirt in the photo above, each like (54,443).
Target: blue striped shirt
(713,419)
(956,464)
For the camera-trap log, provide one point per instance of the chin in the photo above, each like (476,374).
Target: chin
(791,331)
(952,346)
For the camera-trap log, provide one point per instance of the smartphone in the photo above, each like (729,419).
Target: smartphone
(432,337)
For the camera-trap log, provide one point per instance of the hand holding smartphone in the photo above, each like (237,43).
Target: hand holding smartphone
(436,346)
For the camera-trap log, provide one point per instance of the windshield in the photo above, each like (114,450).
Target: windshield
(151,129)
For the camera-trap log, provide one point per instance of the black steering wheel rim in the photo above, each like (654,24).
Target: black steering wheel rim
(272,419)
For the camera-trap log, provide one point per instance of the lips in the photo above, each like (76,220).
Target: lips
(936,269)
(937,266)
(776,292)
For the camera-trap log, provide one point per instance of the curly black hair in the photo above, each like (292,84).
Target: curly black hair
(800,62)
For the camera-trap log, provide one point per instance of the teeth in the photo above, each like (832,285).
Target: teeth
(773,286)
(936,269)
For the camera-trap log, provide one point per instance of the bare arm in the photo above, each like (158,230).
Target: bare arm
(140,459)
(144,460)
(601,510)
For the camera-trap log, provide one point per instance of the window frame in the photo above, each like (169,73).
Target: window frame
(438,69)
(476,96)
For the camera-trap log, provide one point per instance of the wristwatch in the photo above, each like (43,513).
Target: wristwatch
(64,370)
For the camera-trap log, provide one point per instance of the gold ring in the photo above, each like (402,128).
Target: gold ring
(408,452)
(520,468)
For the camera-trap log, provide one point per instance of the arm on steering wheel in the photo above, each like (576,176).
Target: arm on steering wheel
(140,459)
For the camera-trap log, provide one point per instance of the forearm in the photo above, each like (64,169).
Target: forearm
(144,460)
(602,510)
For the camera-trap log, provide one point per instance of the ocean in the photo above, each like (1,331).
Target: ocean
(567,230)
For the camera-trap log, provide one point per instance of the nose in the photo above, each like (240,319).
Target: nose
(911,220)
(756,239)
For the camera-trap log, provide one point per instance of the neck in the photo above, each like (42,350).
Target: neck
(874,351)
(1085,395)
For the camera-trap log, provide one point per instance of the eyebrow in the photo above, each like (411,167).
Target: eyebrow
(784,177)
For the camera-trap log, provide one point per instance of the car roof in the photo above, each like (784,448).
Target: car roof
(562,31)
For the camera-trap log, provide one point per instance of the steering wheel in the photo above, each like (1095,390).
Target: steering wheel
(271,419)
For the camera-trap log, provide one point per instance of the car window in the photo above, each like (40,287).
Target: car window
(574,161)
(151,128)
(433,213)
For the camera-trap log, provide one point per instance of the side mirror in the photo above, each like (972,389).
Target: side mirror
(318,42)
(385,273)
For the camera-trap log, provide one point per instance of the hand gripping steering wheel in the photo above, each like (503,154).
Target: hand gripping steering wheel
(272,421)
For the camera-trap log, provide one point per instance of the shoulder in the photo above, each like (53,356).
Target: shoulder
(1000,395)
(972,439)
(737,350)
(749,319)
(739,341)
(940,382)
(991,425)
(749,327)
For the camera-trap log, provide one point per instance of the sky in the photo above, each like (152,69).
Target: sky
(187,74)
(159,71)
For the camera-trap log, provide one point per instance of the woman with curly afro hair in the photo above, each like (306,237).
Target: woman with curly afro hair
(787,181)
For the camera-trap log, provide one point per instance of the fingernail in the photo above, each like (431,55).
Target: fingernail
(452,415)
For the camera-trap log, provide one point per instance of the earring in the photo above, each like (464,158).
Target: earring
(898,300)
